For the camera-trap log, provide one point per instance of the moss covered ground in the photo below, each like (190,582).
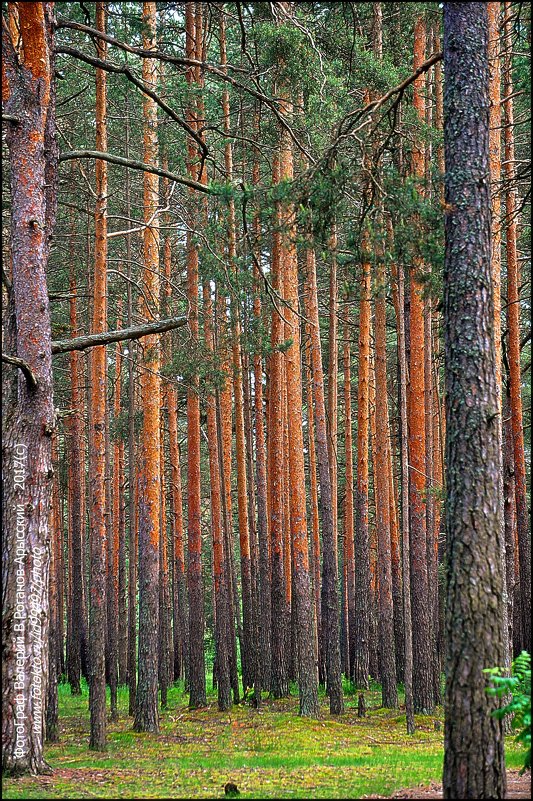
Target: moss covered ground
(267,753)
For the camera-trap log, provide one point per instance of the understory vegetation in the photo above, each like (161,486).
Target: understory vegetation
(267,753)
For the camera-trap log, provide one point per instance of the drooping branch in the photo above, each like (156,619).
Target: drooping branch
(134,165)
(109,66)
(63,22)
(107,337)
(346,125)
(24,366)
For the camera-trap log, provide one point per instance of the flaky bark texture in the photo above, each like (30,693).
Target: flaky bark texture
(146,711)
(387,659)
(404,460)
(217,533)
(423,693)
(248,655)
(77,639)
(495,141)
(307,680)
(27,90)
(197,688)
(265,605)
(279,685)
(474,626)
(513,324)
(361,659)
(98,374)
(330,602)
(349,556)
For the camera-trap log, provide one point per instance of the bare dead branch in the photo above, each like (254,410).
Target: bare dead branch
(107,337)
(24,367)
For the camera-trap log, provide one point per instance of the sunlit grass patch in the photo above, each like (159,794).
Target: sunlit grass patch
(267,753)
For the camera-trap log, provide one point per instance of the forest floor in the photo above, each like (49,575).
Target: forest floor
(267,753)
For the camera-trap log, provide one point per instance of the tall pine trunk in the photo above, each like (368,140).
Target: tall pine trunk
(146,711)
(28,93)
(474,621)
(98,372)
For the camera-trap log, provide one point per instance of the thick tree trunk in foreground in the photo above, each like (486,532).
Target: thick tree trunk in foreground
(28,413)
(474,765)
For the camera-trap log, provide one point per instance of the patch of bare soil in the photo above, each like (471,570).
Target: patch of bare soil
(517,787)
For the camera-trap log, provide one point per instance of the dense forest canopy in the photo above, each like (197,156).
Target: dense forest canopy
(267,348)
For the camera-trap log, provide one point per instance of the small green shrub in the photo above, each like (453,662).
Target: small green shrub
(518,685)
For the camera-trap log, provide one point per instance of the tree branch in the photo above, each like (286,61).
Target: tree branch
(25,367)
(11,118)
(105,338)
(350,119)
(63,22)
(134,165)
(125,70)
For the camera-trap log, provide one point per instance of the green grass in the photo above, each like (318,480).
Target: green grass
(271,753)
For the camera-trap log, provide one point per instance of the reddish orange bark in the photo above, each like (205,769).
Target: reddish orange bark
(513,324)
(279,682)
(146,707)
(308,689)
(98,372)
(422,622)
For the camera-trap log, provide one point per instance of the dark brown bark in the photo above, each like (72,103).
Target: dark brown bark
(220,602)
(111,576)
(54,642)
(262,516)
(196,674)
(509,514)
(132,473)
(330,602)
(361,660)
(387,659)
(349,555)
(77,643)
(474,621)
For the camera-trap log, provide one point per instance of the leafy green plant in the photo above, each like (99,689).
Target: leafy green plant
(518,685)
